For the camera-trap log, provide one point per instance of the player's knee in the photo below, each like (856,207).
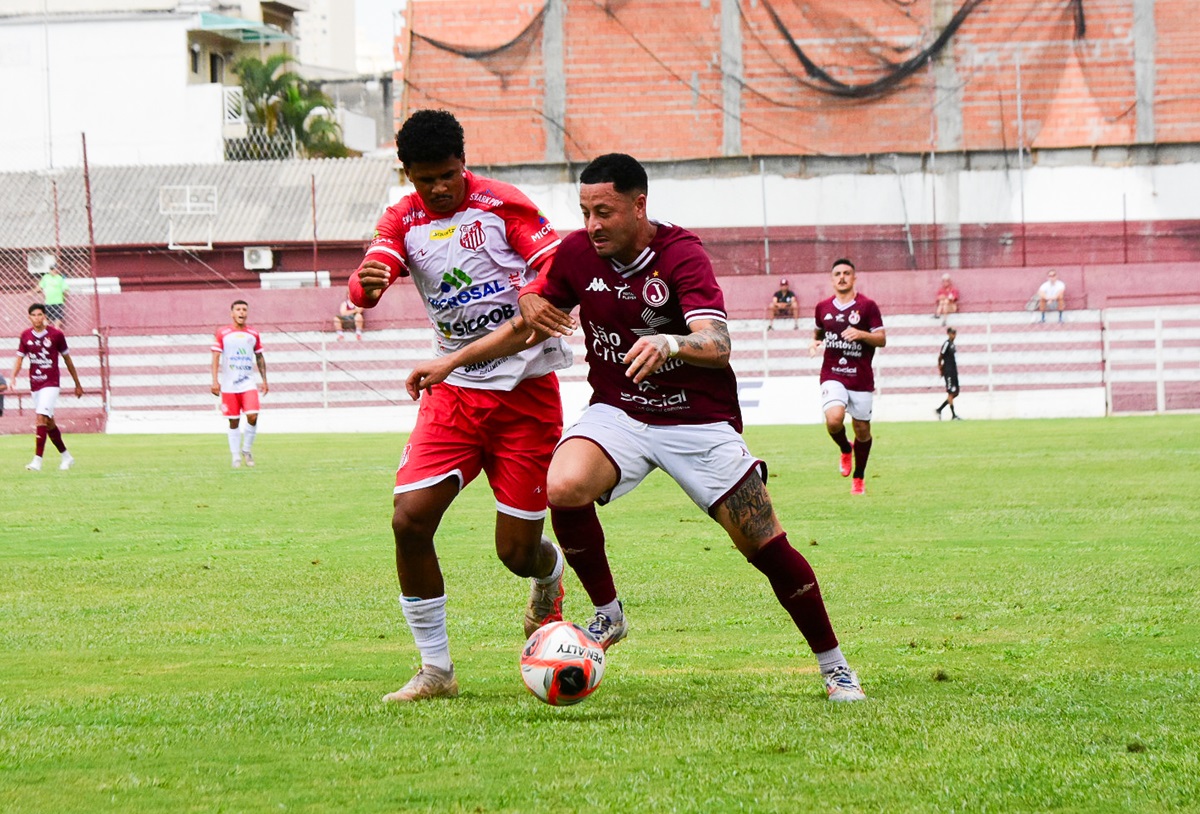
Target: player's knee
(517,557)
(411,530)
(568,492)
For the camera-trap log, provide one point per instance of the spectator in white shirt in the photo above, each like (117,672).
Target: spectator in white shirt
(1051,292)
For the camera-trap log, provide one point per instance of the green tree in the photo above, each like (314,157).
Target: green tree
(282,102)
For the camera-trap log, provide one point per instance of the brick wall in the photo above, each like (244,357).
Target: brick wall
(645,78)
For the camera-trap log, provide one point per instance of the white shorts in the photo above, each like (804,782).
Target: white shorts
(44,401)
(858,403)
(709,461)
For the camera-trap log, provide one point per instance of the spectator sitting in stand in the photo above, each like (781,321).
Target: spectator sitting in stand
(783,304)
(349,315)
(1051,292)
(947,299)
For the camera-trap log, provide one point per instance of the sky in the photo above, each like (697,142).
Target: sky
(376,23)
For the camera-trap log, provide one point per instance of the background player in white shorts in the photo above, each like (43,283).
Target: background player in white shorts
(42,344)
(236,351)
(850,327)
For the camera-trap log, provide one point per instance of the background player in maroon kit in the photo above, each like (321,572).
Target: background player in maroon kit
(850,327)
(468,243)
(42,344)
(664,397)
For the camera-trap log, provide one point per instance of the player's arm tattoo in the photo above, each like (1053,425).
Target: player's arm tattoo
(262,366)
(750,509)
(711,343)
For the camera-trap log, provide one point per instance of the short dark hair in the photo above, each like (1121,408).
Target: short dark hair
(842,261)
(622,171)
(238,302)
(430,136)
(37,306)
(951,331)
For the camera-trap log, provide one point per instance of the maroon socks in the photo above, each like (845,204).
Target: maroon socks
(797,590)
(581,539)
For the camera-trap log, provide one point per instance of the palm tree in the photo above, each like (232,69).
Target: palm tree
(281,102)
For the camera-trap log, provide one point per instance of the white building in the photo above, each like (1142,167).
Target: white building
(147,81)
(326,45)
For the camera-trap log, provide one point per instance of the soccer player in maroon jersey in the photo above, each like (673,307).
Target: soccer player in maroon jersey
(468,243)
(850,327)
(664,397)
(43,344)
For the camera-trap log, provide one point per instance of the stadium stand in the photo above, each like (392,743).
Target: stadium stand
(1112,360)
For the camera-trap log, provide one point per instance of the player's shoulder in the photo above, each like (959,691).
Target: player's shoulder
(677,246)
(576,245)
(670,236)
(865,302)
(403,214)
(489,194)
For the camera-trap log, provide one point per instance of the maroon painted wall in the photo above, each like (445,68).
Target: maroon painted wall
(897,291)
(740,251)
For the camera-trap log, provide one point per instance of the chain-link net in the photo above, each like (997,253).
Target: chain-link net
(44,251)
(142,343)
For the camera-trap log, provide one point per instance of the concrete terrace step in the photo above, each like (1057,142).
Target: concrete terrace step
(997,350)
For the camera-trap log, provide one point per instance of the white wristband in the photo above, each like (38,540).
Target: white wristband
(672,345)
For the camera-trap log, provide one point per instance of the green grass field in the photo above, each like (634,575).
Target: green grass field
(1019,598)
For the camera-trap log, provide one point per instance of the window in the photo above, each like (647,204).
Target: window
(216,68)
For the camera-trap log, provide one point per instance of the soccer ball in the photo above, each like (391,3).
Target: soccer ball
(561,664)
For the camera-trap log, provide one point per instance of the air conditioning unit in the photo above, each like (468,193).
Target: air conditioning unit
(40,262)
(257,257)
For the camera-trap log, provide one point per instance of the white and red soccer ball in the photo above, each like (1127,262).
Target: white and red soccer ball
(561,664)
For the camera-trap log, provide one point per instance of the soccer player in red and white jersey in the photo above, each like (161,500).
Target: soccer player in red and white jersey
(664,397)
(850,327)
(236,351)
(43,344)
(468,244)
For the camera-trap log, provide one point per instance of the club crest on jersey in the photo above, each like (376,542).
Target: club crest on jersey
(472,236)
(855,317)
(655,292)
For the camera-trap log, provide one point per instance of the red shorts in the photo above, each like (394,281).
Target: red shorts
(234,404)
(510,435)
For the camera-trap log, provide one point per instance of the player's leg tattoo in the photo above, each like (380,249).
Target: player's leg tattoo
(750,509)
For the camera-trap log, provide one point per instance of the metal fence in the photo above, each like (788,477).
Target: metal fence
(1145,360)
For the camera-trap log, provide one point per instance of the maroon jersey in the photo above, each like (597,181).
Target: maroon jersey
(670,284)
(42,350)
(848,362)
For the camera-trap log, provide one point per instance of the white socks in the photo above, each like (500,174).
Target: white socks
(831,659)
(427,620)
(235,441)
(612,610)
(556,571)
(248,436)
